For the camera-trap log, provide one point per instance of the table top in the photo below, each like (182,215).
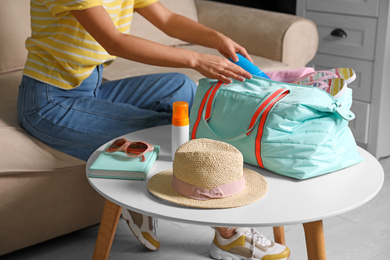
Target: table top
(288,201)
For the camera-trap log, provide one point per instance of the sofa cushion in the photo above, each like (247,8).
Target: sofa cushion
(37,206)
(142,28)
(121,68)
(9,88)
(27,154)
(14,29)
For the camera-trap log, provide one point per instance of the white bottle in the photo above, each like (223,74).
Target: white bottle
(180,125)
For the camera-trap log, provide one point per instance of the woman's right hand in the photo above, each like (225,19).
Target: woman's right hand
(220,68)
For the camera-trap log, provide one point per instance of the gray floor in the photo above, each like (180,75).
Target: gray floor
(362,234)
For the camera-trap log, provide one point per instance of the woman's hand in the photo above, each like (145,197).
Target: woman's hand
(223,69)
(219,68)
(228,48)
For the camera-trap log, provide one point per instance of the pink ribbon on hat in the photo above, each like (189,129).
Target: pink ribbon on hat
(200,193)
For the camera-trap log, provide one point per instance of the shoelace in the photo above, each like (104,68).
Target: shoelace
(256,237)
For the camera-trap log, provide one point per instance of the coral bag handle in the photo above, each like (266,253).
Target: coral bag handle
(205,109)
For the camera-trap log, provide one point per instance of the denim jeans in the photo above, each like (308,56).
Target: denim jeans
(80,120)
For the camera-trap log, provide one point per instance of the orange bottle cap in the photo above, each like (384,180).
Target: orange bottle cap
(180,114)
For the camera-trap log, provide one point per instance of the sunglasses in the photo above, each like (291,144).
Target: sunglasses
(132,149)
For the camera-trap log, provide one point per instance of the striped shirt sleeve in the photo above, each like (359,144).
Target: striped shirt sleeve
(58,7)
(143,3)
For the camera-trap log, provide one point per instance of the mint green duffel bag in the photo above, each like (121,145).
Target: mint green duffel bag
(293,130)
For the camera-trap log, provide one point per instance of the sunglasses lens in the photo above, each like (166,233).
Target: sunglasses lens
(137,148)
(118,143)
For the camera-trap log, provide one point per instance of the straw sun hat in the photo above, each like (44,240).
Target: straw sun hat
(208,174)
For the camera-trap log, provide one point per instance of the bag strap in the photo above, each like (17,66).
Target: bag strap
(260,129)
(209,99)
(263,106)
(200,112)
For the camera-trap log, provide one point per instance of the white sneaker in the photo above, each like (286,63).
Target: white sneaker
(247,244)
(142,227)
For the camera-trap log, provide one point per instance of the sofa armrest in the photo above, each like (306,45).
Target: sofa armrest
(290,39)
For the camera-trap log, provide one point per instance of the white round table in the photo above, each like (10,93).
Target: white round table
(288,201)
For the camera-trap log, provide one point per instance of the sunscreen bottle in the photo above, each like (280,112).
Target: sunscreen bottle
(180,125)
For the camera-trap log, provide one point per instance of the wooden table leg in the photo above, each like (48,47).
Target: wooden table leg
(279,235)
(108,225)
(315,242)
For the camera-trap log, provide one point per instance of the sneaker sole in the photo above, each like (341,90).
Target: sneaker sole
(217,253)
(137,232)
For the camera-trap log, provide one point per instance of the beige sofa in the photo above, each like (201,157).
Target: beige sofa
(43,192)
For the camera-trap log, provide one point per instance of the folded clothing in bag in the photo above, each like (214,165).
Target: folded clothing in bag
(293,130)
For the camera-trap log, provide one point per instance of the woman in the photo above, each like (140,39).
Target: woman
(62,99)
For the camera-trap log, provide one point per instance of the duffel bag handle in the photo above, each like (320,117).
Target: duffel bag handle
(205,109)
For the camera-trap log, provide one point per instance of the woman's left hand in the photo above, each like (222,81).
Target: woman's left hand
(228,48)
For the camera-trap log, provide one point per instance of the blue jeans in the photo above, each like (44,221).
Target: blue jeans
(80,120)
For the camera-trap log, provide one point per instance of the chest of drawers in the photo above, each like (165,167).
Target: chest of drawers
(355,34)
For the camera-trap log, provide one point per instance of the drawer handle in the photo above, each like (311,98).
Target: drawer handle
(339,33)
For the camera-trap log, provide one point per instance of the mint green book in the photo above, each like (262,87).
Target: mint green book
(118,165)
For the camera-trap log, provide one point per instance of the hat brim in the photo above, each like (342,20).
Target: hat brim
(256,188)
